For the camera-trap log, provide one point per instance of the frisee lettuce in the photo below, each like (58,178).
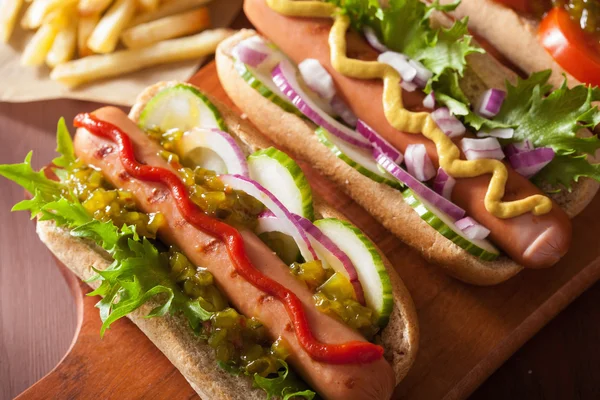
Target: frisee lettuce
(552,119)
(138,273)
(285,385)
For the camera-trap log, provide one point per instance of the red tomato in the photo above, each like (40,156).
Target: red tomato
(571,48)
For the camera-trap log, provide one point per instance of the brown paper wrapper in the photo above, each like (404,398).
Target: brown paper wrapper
(21,84)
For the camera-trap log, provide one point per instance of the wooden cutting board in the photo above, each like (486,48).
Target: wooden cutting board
(466,332)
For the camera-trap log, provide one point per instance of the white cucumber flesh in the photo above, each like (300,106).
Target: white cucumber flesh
(280,175)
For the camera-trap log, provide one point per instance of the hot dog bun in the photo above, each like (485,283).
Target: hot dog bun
(297,137)
(172,335)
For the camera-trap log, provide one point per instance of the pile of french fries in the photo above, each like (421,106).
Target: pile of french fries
(86,40)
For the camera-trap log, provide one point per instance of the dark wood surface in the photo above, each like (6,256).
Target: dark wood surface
(38,316)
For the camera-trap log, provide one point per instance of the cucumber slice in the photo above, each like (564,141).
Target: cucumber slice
(280,175)
(372,274)
(444,225)
(180,107)
(263,84)
(283,245)
(359,159)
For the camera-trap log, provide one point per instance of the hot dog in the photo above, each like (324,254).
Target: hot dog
(143,182)
(530,240)
(372,381)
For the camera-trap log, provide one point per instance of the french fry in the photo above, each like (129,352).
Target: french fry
(148,5)
(85,27)
(91,7)
(167,28)
(166,9)
(77,72)
(105,37)
(9,10)
(65,42)
(39,9)
(38,47)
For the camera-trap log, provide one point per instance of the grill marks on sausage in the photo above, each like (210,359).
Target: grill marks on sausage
(159,195)
(103,151)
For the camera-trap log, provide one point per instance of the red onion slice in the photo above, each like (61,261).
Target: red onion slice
(221,143)
(400,63)
(529,163)
(286,218)
(252,51)
(317,78)
(341,109)
(329,252)
(517,147)
(378,141)
(472,229)
(500,133)
(429,101)
(448,123)
(477,149)
(491,102)
(444,184)
(441,203)
(373,40)
(418,162)
(284,77)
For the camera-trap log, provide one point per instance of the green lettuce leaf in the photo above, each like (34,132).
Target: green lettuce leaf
(285,385)
(552,119)
(566,169)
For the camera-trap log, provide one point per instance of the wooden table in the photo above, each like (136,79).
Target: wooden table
(38,316)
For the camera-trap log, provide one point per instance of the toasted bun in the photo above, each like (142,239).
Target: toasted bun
(172,335)
(386,204)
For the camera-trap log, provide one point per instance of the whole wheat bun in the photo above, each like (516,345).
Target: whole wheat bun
(296,136)
(172,334)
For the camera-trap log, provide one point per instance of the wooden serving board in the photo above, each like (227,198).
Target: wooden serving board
(466,331)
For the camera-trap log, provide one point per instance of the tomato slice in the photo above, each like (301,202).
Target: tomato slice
(570,46)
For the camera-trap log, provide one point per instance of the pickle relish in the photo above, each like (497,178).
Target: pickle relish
(334,295)
(105,203)
(585,12)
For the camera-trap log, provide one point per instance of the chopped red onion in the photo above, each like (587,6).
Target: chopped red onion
(400,63)
(444,184)
(477,149)
(284,77)
(378,141)
(491,102)
(429,101)
(408,86)
(252,51)
(518,147)
(373,40)
(500,133)
(423,74)
(448,123)
(418,162)
(472,229)
(441,203)
(341,109)
(317,78)
(529,163)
